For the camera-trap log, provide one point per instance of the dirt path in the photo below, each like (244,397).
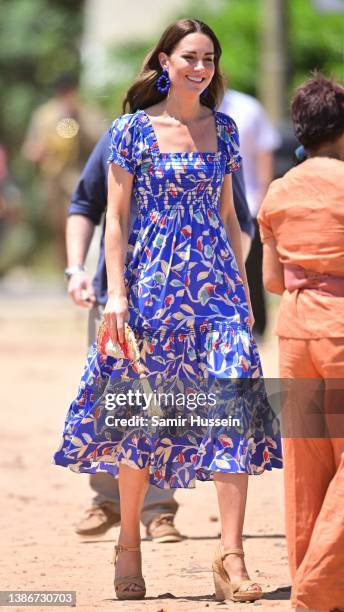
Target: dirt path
(42,353)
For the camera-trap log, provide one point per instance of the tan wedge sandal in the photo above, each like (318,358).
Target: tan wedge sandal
(225,589)
(123,582)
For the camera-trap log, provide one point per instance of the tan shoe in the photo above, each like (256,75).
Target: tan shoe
(124,584)
(162,529)
(97,521)
(225,588)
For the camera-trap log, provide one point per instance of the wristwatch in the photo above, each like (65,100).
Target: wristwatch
(72,270)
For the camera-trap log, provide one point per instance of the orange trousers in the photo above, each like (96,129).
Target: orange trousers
(314,483)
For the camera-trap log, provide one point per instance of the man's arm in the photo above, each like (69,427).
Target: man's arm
(86,209)
(246,242)
(242,212)
(79,232)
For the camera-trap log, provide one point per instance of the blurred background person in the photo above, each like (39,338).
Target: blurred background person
(86,211)
(12,236)
(61,135)
(258,141)
(302,227)
(3,177)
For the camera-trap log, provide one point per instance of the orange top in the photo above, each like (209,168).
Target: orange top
(304,213)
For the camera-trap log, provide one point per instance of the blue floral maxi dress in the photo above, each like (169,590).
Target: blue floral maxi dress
(188,309)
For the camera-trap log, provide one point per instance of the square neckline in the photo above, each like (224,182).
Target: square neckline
(181,153)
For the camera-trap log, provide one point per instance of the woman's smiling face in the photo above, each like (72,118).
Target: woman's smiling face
(191,64)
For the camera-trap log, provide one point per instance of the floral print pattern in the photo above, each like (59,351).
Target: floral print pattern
(188,308)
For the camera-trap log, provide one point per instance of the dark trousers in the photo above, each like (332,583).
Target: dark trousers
(254,271)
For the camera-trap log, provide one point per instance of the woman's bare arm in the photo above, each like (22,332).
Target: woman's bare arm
(120,183)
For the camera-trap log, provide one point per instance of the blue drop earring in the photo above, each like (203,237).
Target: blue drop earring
(163,83)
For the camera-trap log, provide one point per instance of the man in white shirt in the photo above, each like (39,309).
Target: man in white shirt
(258,141)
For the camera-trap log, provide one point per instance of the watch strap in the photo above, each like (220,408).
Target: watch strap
(73,270)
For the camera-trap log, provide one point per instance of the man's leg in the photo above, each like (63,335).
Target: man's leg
(158,514)
(159,506)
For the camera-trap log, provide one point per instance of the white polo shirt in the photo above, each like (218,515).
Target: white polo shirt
(256,134)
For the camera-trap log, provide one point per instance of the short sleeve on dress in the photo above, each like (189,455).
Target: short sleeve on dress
(123,143)
(230,143)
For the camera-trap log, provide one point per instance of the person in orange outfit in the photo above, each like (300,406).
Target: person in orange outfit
(302,227)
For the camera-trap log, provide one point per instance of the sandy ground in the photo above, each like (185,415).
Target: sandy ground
(42,353)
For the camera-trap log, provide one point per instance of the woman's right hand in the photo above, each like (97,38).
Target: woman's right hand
(116,313)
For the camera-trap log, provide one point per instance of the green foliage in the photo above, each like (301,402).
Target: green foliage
(315,39)
(316,42)
(39,41)
(126,61)
(236,24)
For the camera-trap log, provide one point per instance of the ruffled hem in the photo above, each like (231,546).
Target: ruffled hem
(181,472)
(222,349)
(191,327)
(220,359)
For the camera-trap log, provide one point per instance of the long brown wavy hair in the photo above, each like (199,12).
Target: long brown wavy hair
(143,92)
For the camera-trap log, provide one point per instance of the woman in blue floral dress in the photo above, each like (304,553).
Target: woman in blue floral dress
(179,280)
